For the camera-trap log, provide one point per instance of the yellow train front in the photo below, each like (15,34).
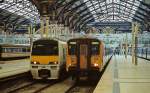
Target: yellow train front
(48,59)
(84,56)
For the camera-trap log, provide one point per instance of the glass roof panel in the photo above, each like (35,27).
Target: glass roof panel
(113,10)
(21,7)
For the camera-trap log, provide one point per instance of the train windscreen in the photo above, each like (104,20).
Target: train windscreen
(45,49)
(72,48)
(95,48)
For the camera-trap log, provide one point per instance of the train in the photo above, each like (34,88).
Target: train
(86,57)
(13,51)
(48,59)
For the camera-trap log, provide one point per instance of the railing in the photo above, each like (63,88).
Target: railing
(143,52)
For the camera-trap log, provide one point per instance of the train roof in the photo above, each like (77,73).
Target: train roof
(47,40)
(14,45)
(85,38)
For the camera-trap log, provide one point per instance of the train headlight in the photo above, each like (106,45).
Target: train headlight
(56,62)
(95,65)
(35,62)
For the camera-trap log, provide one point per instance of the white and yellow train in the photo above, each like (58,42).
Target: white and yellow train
(48,59)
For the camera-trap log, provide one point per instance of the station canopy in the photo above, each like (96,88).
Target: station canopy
(113,10)
(18,12)
(108,11)
(86,11)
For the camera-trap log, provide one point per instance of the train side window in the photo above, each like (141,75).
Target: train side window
(9,50)
(72,49)
(3,50)
(95,49)
(15,49)
(24,50)
(28,49)
(20,50)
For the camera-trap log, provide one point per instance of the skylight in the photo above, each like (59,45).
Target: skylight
(113,10)
(21,7)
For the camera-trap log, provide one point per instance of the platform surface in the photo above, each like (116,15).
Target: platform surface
(9,68)
(122,76)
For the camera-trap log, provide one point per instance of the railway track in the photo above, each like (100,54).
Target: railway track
(14,77)
(12,82)
(23,84)
(14,58)
(86,86)
(81,88)
(33,87)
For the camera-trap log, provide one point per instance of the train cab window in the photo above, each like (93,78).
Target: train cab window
(95,48)
(72,49)
(45,49)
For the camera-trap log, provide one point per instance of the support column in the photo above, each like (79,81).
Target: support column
(47,27)
(50,30)
(136,45)
(67,31)
(133,43)
(135,30)
(42,27)
(59,30)
(126,46)
(30,35)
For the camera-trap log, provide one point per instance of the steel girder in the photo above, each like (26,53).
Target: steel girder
(107,14)
(93,10)
(82,15)
(21,5)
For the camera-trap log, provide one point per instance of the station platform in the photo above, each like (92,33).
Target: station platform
(122,76)
(14,67)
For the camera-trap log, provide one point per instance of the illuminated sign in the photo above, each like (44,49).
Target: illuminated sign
(95,43)
(72,42)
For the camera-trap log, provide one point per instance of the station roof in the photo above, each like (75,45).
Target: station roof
(9,17)
(18,12)
(82,12)
(115,10)
(91,11)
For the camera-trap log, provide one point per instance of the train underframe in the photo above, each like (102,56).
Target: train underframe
(92,73)
(46,71)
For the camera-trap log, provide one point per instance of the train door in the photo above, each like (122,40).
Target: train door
(83,56)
